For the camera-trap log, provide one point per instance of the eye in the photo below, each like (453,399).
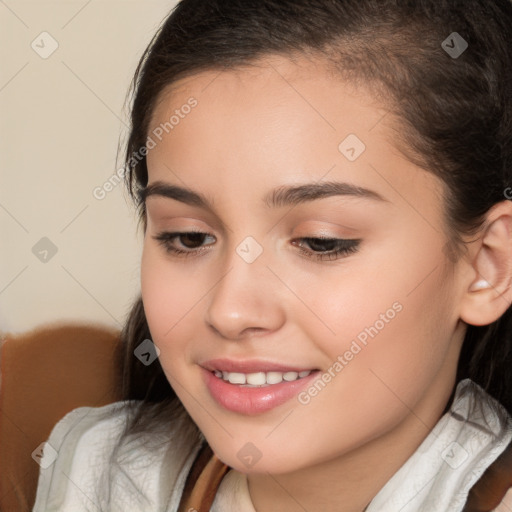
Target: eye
(335,248)
(188,239)
(321,248)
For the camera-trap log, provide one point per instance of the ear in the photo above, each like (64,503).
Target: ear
(488,281)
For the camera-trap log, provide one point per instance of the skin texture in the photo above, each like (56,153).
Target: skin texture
(281,123)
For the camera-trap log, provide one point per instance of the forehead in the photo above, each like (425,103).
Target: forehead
(273,102)
(275,122)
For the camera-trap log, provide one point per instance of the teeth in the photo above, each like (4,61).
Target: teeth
(260,378)
(236,378)
(256,379)
(274,377)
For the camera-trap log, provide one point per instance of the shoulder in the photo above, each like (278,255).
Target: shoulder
(79,441)
(87,464)
(487,437)
(463,444)
(99,424)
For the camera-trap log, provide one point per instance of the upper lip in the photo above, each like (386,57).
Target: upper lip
(250,366)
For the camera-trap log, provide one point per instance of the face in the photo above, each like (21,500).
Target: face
(312,310)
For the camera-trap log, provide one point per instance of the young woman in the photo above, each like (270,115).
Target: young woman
(327,265)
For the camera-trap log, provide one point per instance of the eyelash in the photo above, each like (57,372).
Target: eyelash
(345,246)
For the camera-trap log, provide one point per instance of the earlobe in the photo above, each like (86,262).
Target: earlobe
(489,294)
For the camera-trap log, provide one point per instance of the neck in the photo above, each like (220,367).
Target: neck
(349,482)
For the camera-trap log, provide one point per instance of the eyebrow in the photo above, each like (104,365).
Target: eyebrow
(279,197)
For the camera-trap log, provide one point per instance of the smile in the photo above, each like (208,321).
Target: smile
(253,387)
(260,379)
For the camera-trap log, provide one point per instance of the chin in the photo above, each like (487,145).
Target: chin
(249,459)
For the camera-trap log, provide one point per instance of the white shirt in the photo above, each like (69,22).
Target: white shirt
(148,473)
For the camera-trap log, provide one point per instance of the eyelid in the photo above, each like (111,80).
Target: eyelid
(171,210)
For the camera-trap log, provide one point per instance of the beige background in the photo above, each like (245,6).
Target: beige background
(61,120)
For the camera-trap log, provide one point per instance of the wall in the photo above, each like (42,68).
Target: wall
(66,252)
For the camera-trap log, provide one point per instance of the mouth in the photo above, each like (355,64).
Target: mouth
(253,387)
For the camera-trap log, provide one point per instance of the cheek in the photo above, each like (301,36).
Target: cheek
(391,319)
(169,297)
(387,352)
(156,295)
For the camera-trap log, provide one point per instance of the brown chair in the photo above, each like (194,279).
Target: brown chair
(45,374)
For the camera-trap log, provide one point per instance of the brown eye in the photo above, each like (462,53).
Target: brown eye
(190,240)
(328,248)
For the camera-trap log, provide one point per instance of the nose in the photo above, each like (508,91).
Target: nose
(247,300)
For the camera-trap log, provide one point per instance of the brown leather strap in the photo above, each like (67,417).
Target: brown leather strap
(492,486)
(202,482)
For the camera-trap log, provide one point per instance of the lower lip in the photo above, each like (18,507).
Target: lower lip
(253,400)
